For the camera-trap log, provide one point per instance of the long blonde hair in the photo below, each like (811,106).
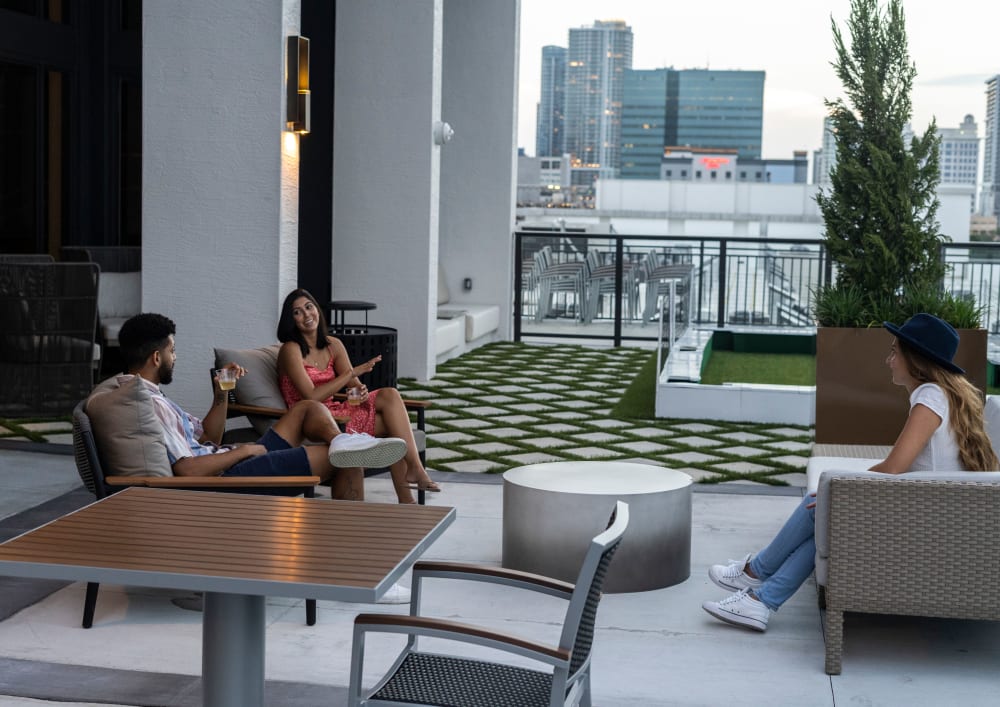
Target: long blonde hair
(965,403)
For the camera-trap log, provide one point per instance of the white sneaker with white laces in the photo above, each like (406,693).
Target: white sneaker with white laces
(396,594)
(740,609)
(350,449)
(733,576)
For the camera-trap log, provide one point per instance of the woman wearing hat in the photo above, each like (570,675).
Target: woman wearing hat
(944,431)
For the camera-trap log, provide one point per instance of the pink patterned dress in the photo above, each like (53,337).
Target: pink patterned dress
(362,416)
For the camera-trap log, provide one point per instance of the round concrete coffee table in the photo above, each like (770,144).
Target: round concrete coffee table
(550,512)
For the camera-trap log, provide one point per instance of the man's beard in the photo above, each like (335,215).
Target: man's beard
(166,373)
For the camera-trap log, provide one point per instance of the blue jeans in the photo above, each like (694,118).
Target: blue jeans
(789,559)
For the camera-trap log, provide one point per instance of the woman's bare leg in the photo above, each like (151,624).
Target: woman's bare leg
(392,420)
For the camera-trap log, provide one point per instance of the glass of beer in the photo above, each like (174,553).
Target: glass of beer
(354,396)
(227,378)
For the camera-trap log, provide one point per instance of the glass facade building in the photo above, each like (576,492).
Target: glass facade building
(549,125)
(644,120)
(695,108)
(596,63)
(717,109)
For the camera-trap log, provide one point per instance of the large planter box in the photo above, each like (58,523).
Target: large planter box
(856,401)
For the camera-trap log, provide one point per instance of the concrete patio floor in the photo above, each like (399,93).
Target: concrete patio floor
(652,648)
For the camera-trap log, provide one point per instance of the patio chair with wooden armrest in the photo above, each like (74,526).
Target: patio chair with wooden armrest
(418,677)
(258,398)
(101,484)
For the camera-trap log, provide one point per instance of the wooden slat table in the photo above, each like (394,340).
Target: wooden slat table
(238,550)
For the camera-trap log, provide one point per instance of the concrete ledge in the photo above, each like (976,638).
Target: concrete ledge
(737,402)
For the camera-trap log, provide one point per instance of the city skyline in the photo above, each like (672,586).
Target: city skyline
(736,35)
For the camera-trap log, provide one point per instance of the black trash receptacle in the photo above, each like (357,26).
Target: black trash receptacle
(366,342)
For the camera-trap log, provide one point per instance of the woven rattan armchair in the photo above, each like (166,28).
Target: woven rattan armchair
(418,677)
(917,544)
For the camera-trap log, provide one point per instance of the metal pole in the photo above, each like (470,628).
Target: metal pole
(232,650)
(619,274)
(518,286)
(721,318)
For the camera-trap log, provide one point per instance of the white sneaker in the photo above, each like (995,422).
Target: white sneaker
(733,576)
(740,609)
(396,594)
(359,449)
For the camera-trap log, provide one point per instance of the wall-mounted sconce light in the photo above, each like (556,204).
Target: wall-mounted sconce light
(443,133)
(297,81)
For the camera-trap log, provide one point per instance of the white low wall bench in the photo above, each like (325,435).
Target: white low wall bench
(551,510)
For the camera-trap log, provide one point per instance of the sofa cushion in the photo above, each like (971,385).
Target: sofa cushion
(448,334)
(119,294)
(128,434)
(480,320)
(992,415)
(260,385)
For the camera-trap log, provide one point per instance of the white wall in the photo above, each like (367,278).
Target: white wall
(790,210)
(386,167)
(479,94)
(219,183)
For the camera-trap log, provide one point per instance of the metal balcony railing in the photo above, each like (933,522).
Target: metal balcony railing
(589,286)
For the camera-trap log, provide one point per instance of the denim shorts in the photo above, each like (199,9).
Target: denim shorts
(282,459)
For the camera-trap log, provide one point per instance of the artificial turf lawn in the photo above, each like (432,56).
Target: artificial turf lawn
(776,369)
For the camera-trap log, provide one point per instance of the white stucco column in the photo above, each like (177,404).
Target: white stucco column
(219,177)
(386,167)
(478,167)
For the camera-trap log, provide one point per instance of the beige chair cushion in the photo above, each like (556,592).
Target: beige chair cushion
(128,434)
(260,385)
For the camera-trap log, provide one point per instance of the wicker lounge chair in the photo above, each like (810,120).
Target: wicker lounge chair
(917,544)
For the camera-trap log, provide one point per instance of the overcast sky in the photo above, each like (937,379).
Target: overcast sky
(954,47)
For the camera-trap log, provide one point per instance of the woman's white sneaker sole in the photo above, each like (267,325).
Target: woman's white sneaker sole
(381,454)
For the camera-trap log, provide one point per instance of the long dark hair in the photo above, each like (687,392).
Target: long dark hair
(287,331)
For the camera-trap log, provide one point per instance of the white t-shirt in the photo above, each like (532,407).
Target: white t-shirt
(941,452)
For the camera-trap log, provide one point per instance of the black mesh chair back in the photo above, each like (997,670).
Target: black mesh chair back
(582,612)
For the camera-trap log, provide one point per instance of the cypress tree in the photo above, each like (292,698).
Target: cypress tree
(881,214)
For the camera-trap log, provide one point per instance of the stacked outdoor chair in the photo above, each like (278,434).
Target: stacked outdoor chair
(554,276)
(419,677)
(659,271)
(141,460)
(602,280)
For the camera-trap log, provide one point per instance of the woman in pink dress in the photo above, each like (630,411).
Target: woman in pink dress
(313,366)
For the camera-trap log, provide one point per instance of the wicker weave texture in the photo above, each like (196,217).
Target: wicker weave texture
(585,633)
(81,427)
(444,680)
(922,548)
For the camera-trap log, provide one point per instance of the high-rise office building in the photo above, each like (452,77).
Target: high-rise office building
(692,108)
(717,109)
(989,199)
(960,156)
(551,110)
(825,158)
(595,81)
(644,122)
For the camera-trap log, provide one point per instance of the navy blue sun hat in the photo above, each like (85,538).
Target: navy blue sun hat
(935,338)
